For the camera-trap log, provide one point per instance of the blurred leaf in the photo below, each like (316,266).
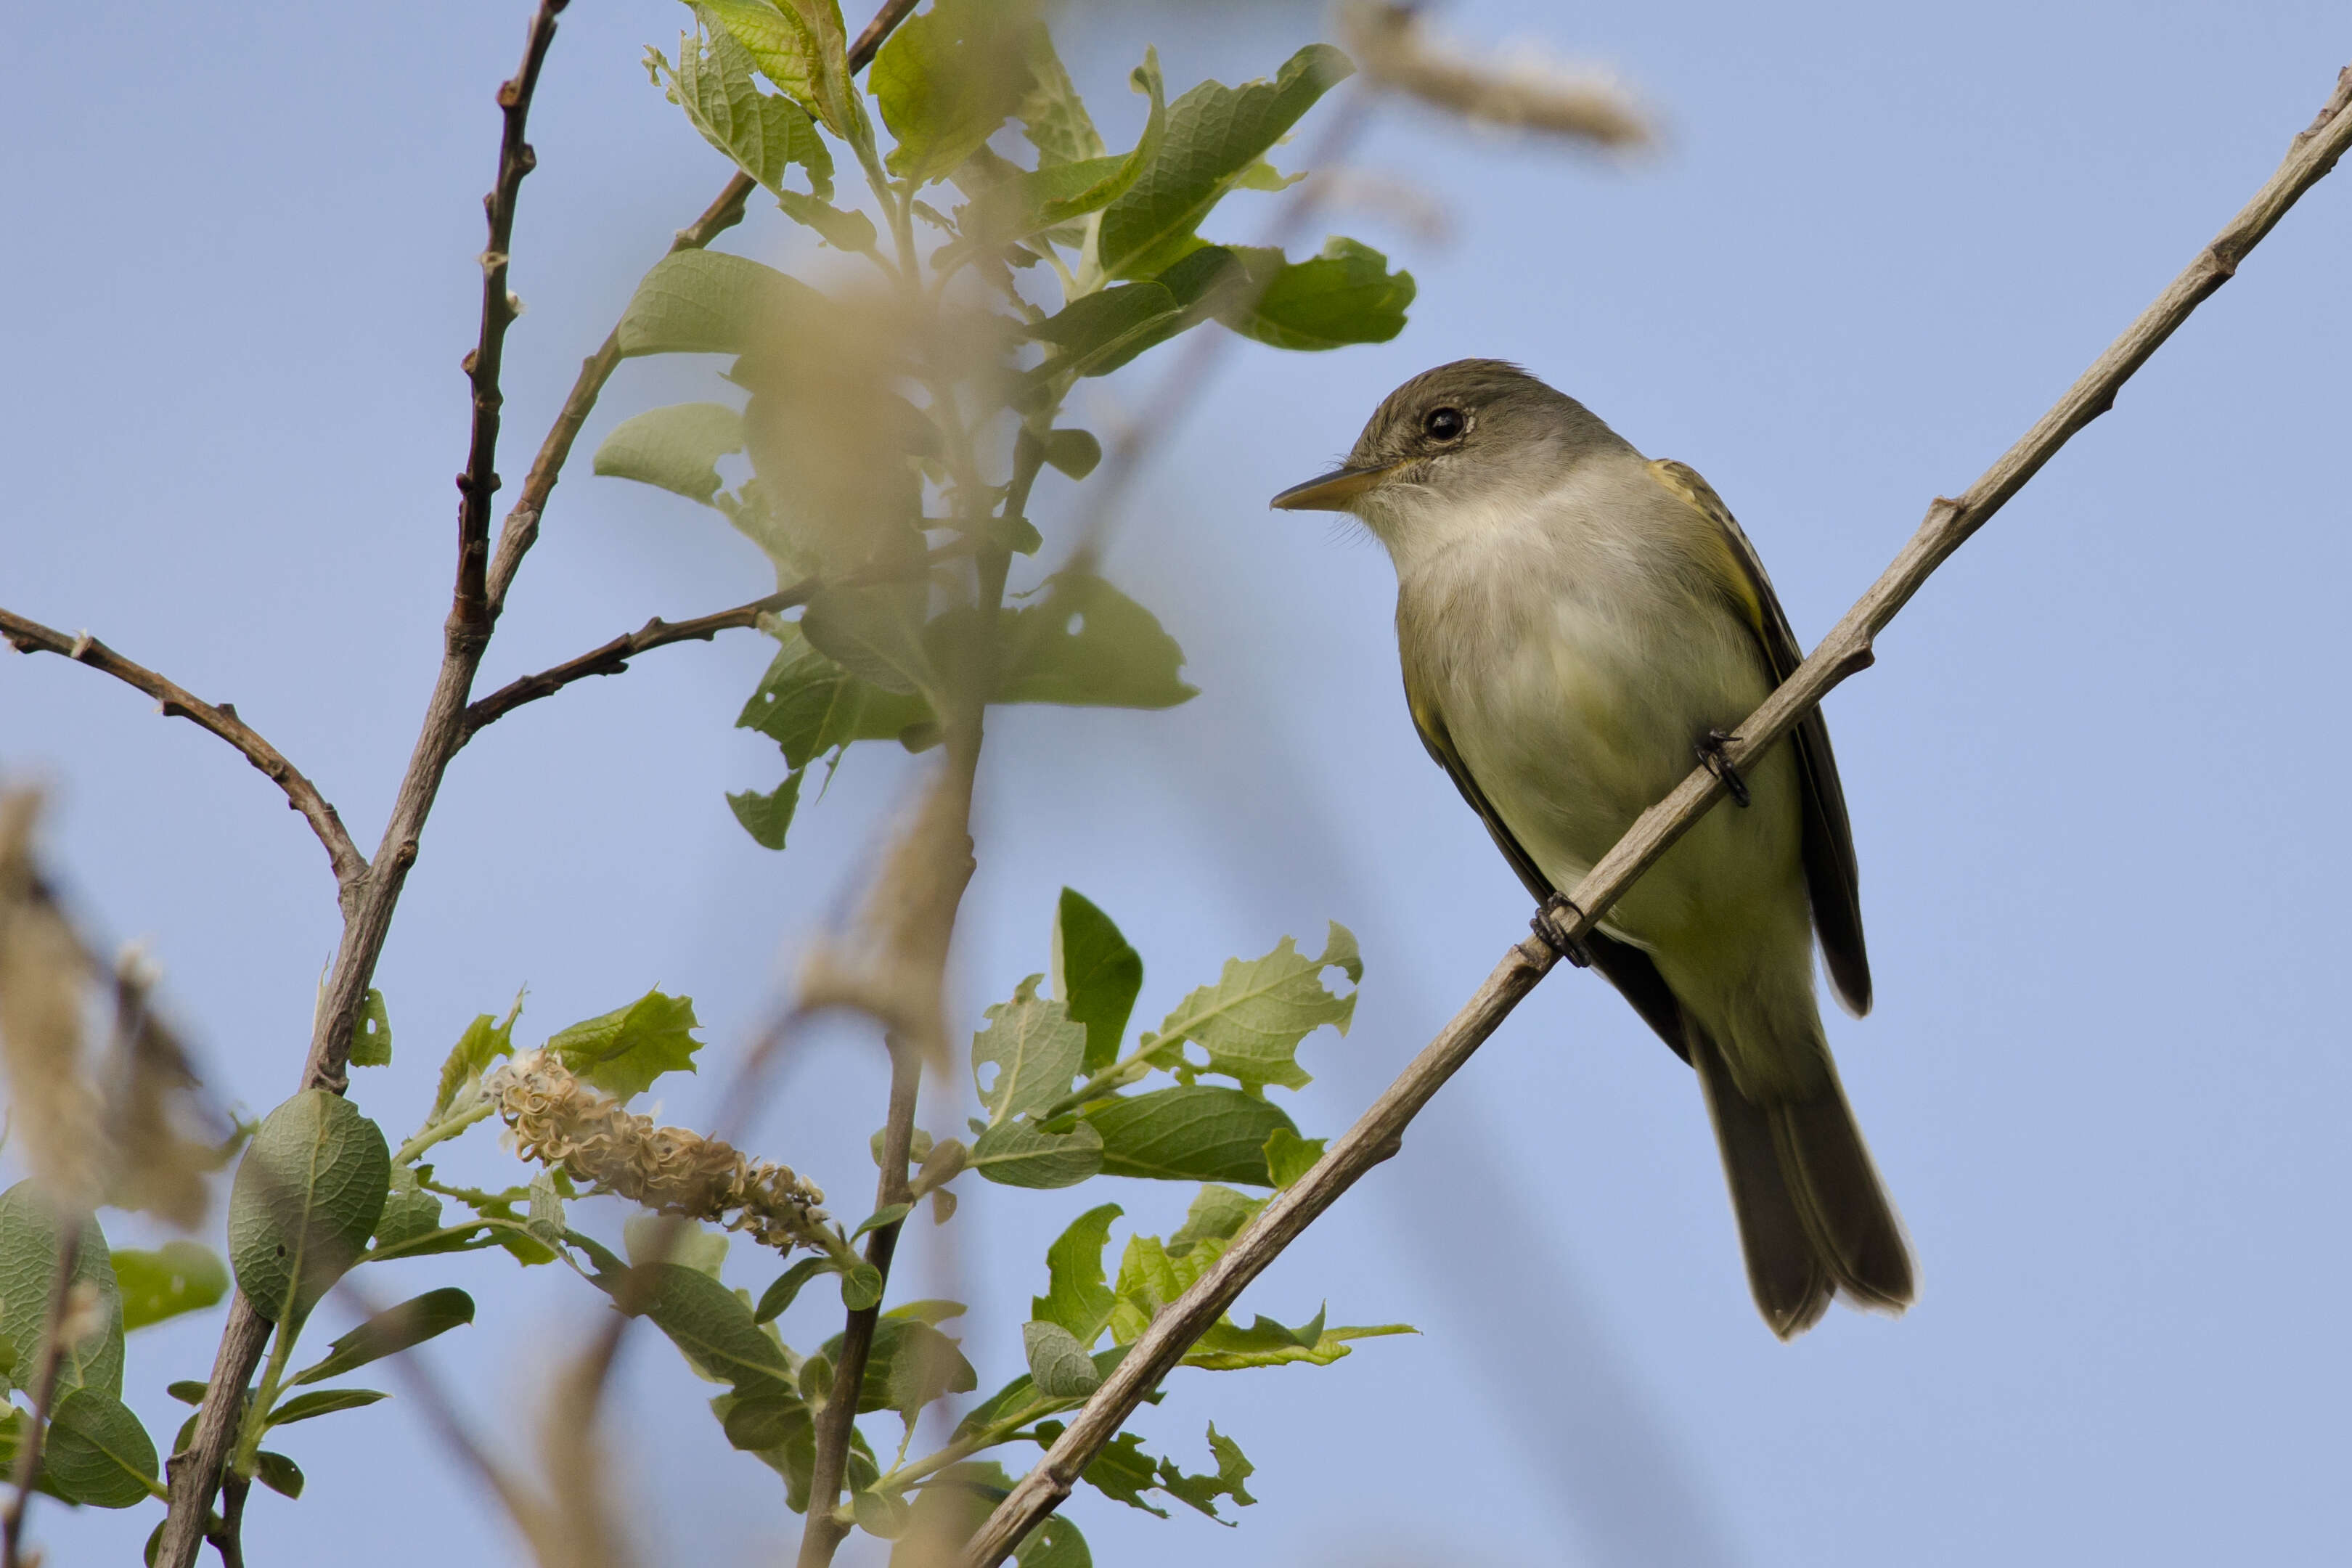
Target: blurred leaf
(1193,1132)
(842,228)
(1252,1020)
(409,1211)
(910,1364)
(798,44)
(306,1199)
(1215,133)
(1289,1157)
(1017,1154)
(323,1402)
(1096,974)
(546,1220)
(390,1332)
(809,705)
(768,817)
(29,1273)
(485,1041)
(1053,117)
(178,1277)
(1346,295)
(707,301)
(661,1238)
(676,449)
(876,633)
(946,78)
(1217,1215)
(780,1296)
(97,1453)
(372,1040)
(1035,1048)
(765,135)
(279,1473)
(1060,190)
(1074,452)
(1085,644)
(1076,1296)
(879,1514)
(1058,1363)
(622,1052)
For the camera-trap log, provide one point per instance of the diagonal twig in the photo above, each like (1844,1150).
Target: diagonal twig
(31,637)
(1379,1132)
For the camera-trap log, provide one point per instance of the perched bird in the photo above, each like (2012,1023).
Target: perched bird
(1576,623)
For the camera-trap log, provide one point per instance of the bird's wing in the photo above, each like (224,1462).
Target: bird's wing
(1831,870)
(1625,966)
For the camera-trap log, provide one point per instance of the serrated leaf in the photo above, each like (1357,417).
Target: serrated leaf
(279,1473)
(1216,134)
(622,1052)
(1217,1215)
(1096,974)
(1193,1132)
(29,1273)
(1052,116)
(764,134)
(1124,1472)
(1085,644)
(1017,1154)
(306,1199)
(98,1452)
(390,1332)
(178,1277)
(707,301)
(1346,295)
(1075,1295)
(1203,1491)
(1058,1363)
(323,1402)
(800,46)
(486,1040)
(1035,1049)
(675,449)
(768,817)
(372,1039)
(946,78)
(1289,1157)
(1252,1020)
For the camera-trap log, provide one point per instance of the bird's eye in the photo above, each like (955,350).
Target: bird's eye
(1445,424)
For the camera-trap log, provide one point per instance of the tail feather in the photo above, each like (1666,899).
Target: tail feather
(1813,1219)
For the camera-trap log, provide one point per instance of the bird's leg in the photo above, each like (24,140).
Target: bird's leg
(1711,758)
(1555,922)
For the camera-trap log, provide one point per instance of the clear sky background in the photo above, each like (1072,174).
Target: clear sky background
(2094,775)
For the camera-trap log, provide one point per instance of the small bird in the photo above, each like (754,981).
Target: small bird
(1576,623)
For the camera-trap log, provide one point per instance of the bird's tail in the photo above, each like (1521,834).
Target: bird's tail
(1813,1219)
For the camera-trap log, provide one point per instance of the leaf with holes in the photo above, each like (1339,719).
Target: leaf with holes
(1035,1049)
(1085,644)
(764,134)
(372,1041)
(800,46)
(676,449)
(1252,1020)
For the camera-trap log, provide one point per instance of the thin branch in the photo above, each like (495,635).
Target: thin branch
(1379,1132)
(178,702)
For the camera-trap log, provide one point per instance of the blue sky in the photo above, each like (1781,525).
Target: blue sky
(2092,775)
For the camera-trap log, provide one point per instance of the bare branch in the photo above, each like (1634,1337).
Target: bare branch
(178,702)
(1379,1132)
(614,656)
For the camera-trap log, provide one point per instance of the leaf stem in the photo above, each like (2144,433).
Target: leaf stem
(447,1127)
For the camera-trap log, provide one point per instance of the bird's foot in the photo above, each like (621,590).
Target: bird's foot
(1711,758)
(1555,922)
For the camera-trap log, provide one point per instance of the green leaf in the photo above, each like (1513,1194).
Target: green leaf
(889,1214)
(809,705)
(771,1419)
(1217,1215)
(799,46)
(546,1220)
(946,79)
(390,1332)
(842,228)
(1124,1472)
(1216,134)
(1017,1154)
(279,1473)
(29,1273)
(1203,1491)
(178,1277)
(187,1391)
(660,1238)
(1074,452)
(97,1452)
(486,1040)
(764,134)
(1052,116)
(1346,295)
(1098,332)
(1035,1048)
(676,449)
(1252,1020)
(409,1211)
(1193,1132)
(875,634)
(1289,1157)
(910,1364)
(1227,1347)
(1060,190)
(879,1514)
(1058,1363)
(711,1326)
(372,1041)
(768,817)
(306,1199)
(1087,644)
(1075,1297)
(707,301)
(622,1052)
(1096,974)
(861,1287)
(779,1296)
(323,1402)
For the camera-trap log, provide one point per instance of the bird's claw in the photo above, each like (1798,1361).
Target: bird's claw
(1555,922)
(1711,757)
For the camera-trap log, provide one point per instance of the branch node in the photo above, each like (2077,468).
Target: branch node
(81,646)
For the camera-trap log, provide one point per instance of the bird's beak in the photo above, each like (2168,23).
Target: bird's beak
(1334,490)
